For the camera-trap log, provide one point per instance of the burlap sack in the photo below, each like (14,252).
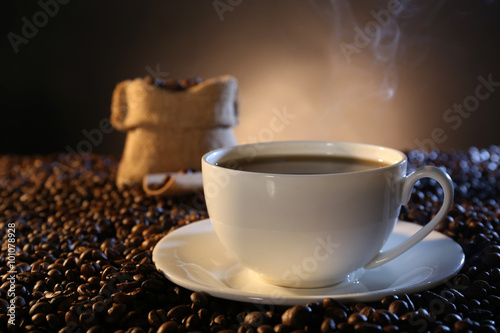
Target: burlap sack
(168,131)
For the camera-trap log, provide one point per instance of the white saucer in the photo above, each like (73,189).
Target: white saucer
(193,257)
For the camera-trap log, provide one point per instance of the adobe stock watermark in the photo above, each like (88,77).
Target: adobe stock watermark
(372,29)
(11,264)
(30,27)
(302,271)
(455,116)
(93,138)
(136,97)
(439,304)
(156,73)
(278,122)
(223,6)
(298,272)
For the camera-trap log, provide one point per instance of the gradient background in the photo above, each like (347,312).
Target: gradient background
(285,54)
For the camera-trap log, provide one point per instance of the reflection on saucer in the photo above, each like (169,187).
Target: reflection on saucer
(193,257)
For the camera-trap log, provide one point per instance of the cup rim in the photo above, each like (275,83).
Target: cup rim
(232,152)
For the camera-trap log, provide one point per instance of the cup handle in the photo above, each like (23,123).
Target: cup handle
(407,184)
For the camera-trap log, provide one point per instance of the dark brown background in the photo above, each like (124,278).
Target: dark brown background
(285,55)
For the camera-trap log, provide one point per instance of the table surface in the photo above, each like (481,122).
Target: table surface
(76,256)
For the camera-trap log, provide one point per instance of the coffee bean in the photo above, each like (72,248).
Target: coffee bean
(380,318)
(399,307)
(178,312)
(356,318)
(204,316)
(144,268)
(328,302)
(336,313)
(475,292)
(138,257)
(328,325)
(87,269)
(85,290)
(54,322)
(69,263)
(88,320)
(128,268)
(433,297)
(357,307)
(461,280)
(20,301)
(136,329)
(367,311)
(192,322)
(296,317)
(58,287)
(480,314)
(38,319)
(153,285)
(255,318)
(157,317)
(480,284)
(94,281)
(364,327)
(464,325)
(220,321)
(106,290)
(26,278)
(265,329)
(441,329)
(199,299)
(50,283)
(108,271)
(40,307)
(168,327)
(243,328)
(4,305)
(56,301)
(112,254)
(134,319)
(193,81)
(487,329)
(149,80)
(124,298)
(71,318)
(96,329)
(71,274)
(127,286)
(280,328)
(57,265)
(116,313)
(390,329)
(98,255)
(159,83)
(387,300)
(100,308)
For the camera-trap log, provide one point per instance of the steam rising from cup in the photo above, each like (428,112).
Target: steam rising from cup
(366,44)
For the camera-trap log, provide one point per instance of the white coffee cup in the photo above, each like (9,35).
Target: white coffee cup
(312,230)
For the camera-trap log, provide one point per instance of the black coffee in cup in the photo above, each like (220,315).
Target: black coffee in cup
(302,164)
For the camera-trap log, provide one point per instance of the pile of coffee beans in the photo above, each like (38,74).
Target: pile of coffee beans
(76,256)
(173,84)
